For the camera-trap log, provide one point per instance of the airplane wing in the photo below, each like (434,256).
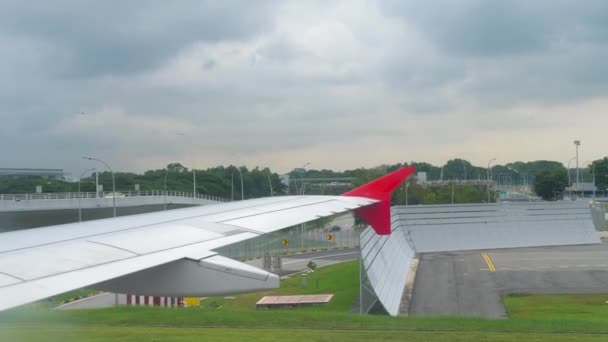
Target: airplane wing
(169,253)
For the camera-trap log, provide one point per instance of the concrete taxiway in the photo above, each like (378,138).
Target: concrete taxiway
(471,283)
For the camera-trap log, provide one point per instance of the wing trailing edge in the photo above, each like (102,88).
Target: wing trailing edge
(378,215)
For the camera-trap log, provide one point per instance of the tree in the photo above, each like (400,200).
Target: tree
(600,167)
(549,183)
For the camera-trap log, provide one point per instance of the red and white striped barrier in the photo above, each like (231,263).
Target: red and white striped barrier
(154,301)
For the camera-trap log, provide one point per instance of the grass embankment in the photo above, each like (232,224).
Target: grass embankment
(567,307)
(80,333)
(556,318)
(342,280)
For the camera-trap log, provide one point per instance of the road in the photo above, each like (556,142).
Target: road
(471,283)
(292,264)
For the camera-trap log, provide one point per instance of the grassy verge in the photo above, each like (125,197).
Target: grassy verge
(341,279)
(80,333)
(532,317)
(571,307)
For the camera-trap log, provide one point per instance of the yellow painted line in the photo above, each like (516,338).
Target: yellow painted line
(488,261)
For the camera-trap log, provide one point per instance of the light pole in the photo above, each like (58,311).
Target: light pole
(589,162)
(113,181)
(570,178)
(193,184)
(302,225)
(242,188)
(302,177)
(577,143)
(165,189)
(80,194)
(488,177)
(269,181)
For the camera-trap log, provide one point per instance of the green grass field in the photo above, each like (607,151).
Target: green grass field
(542,317)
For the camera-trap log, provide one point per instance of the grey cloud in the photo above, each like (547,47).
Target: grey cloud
(111,38)
(278,93)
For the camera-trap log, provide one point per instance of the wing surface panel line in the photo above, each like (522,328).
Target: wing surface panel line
(112,246)
(150,225)
(277,210)
(115,261)
(12,276)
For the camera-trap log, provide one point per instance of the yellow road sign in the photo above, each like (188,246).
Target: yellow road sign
(285,242)
(330,237)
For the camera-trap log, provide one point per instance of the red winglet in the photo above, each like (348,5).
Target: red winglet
(378,215)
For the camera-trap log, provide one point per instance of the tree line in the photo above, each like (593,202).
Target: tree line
(549,178)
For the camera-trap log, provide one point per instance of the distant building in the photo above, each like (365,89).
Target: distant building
(583,190)
(421,177)
(55,174)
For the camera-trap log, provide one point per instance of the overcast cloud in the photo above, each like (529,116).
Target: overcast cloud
(340,84)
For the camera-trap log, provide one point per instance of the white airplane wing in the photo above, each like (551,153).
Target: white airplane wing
(169,253)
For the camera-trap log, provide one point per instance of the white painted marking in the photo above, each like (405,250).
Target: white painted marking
(582,265)
(317,258)
(83,299)
(504,268)
(563,266)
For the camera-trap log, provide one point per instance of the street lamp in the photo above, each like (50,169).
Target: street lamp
(113,181)
(488,177)
(577,143)
(570,178)
(165,189)
(302,178)
(80,194)
(232,184)
(269,181)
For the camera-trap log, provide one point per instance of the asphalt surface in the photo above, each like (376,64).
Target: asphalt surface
(471,283)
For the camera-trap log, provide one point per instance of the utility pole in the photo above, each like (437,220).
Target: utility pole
(80,193)
(488,177)
(453,184)
(113,181)
(577,143)
(194,185)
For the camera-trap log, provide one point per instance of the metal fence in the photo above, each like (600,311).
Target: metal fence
(105,194)
(292,241)
(438,228)
(385,266)
(599,211)
(505,225)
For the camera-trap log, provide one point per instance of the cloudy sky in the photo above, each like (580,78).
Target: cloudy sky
(339,84)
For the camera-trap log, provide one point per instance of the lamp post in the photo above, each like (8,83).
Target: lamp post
(269,181)
(113,181)
(488,177)
(302,225)
(80,194)
(232,182)
(577,143)
(302,177)
(570,178)
(165,189)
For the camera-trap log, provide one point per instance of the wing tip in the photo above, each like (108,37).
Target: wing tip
(378,215)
